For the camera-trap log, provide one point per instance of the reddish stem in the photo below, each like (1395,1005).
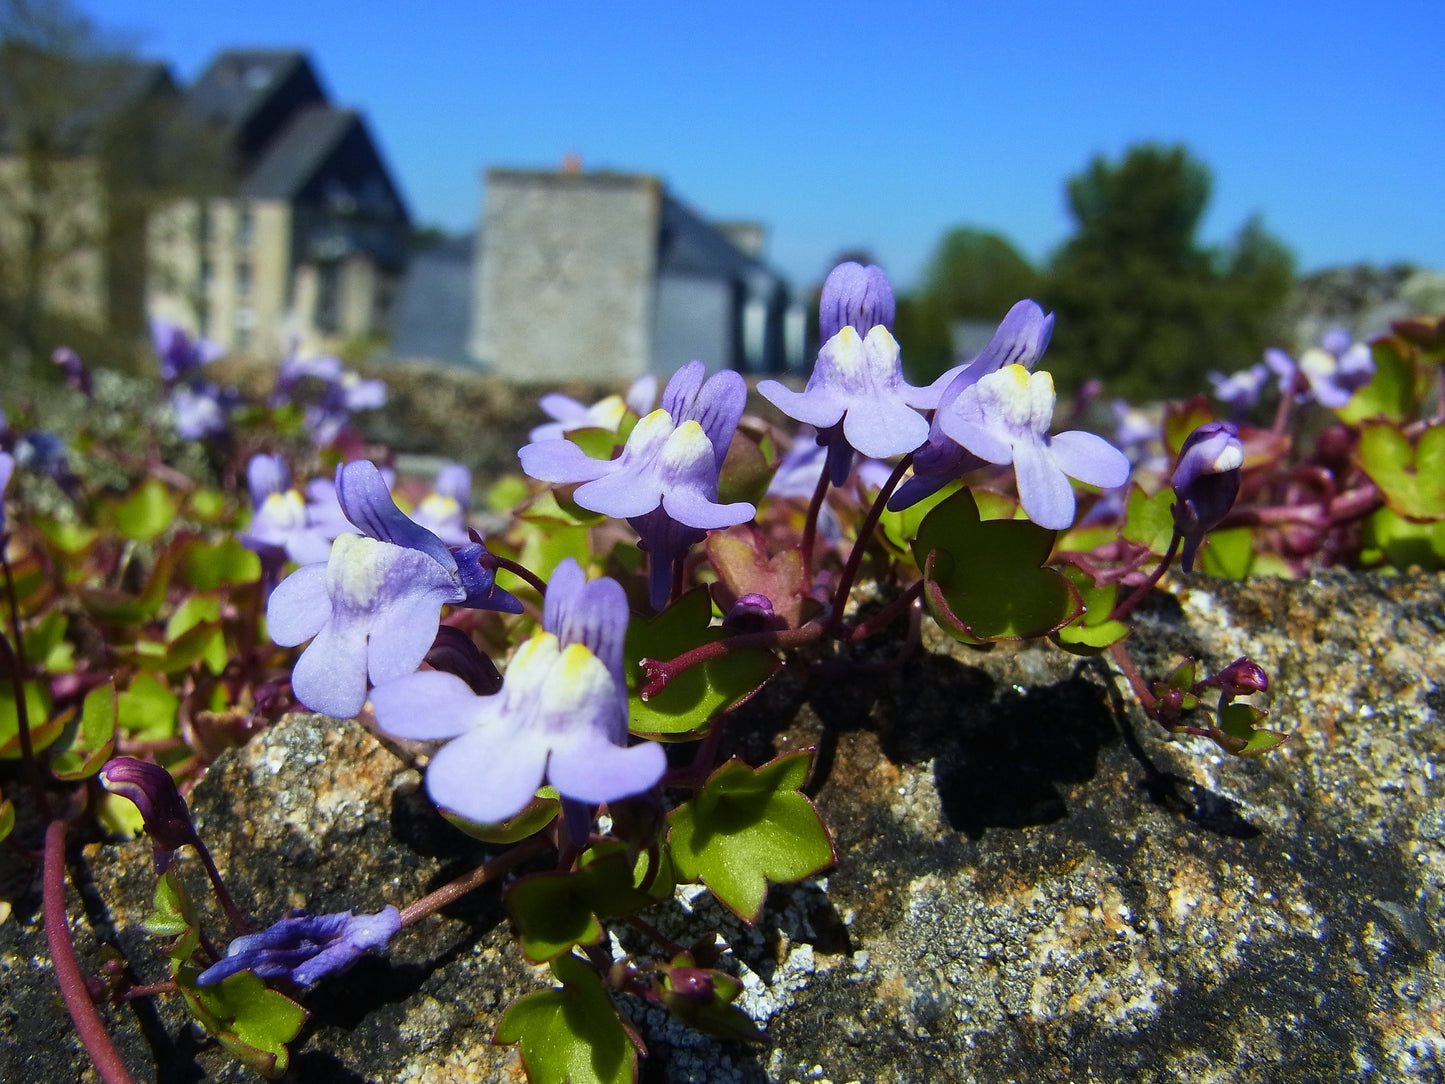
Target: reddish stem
(1125,608)
(810,526)
(494,562)
(88,1024)
(659,671)
(233,913)
(448,893)
(860,544)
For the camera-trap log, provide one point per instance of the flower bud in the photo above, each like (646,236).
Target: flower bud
(855,296)
(454,652)
(304,948)
(151,788)
(1206,481)
(751,613)
(1240,678)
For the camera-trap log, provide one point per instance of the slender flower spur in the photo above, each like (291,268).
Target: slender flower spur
(665,482)
(304,948)
(373,608)
(560,718)
(1206,481)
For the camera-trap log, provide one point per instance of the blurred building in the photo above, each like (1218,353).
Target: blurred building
(599,276)
(81,164)
(302,235)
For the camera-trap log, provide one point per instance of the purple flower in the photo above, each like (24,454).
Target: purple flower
(202,410)
(855,296)
(77,376)
(304,948)
(340,398)
(373,608)
(180,355)
(1004,418)
(280,527)
(443,511)
(1021,339)
(665,482)
(568,414)
(294,369)
(7,468)
(151,788)
(1240,391)
(1206,481)
(561,717)
(1330,373)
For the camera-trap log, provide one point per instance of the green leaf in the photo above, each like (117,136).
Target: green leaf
(1405,544)
(984,580)
(7,818)
(1238,732)
(90,744)
(537,814)
(682,710)
(43,729)
(203,642)
(745,472)
(147,512)
(508,492)
(597,442)
(899,529)
(555,911)
(1149,521)
(119,816)
(71,539)
(1092,631)
(1393,393)
(570,1034)
(250,1021)
(207,505)
(45,643)
(148,709)
(1412,480)
(208,565)
(173,915)
(127,609)
(747,827)
(1229,554)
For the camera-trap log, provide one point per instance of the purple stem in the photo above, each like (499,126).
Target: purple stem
(810,526)
(435,901)
(88,1024)
(860,544)
(1123,609)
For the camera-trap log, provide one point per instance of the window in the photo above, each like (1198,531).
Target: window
(245,228)
(243,279)
(328,297)
(245,323)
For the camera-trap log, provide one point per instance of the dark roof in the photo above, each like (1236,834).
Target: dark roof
(291,160)
(238,82)
(688,245)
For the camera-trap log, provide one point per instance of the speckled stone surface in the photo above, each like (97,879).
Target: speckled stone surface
(1032,883)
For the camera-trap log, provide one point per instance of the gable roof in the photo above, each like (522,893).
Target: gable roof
(292,159)
(250,94)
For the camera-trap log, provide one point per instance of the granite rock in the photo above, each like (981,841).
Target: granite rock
(1032,882)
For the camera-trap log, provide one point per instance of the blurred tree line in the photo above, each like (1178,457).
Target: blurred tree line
(1141,304)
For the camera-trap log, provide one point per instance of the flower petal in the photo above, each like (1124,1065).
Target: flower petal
(561,461)
(1044,489)
(330,675)
(299,605)
(818,407)
(427,705)
(402,635)
(884,426)
(1090,458)
(487,775)
(592,769)
(366,501)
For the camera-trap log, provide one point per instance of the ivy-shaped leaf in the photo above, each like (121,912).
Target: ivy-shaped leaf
(1239,734)
(899,529)
(148,709)
(43,729)
(747,827)
(127,609)
(1092,631)
(682,710)
(1229,553)
(1394,392)
(555,911)
(536,815)
(570,1034)
(45,644)
(1404,544)
(146,513)
(1149,521)
(88,746)
(1412,480)
(984,579)
(207,566)
(251,1021)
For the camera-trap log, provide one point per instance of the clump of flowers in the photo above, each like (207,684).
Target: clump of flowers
(665,561)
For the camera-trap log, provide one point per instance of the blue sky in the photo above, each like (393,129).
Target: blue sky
(880,126)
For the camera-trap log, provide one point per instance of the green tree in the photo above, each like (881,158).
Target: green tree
(973,275)
(1141,304)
